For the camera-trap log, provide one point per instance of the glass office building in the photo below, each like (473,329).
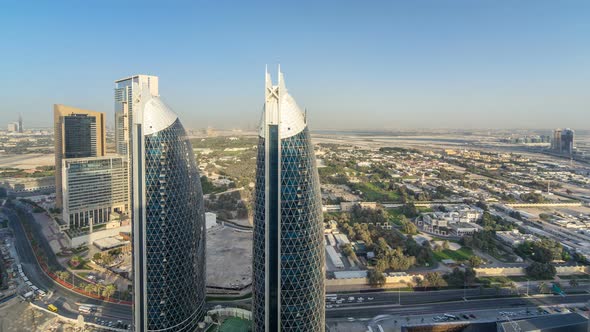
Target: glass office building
(169,223)
(288,250)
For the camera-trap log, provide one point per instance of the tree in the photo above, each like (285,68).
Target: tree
(434,279)
(376,278)
(541,270)
(475,261)
(63,275)
(89,288)
(409,210)
(574,282)
(446,245)
(408,227)
(348,251)
(98,289)
(108,291)
(97,257)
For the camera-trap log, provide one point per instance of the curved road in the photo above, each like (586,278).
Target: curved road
(66,300)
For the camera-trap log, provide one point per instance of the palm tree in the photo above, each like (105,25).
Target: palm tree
(89,288)
(98,289)
(574,282)
(108,291)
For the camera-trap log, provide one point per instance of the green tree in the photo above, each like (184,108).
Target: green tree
(541,270)
(574,282)
(408,227)
(63,275)
(89,288)
(109,290)
(434,279)
(348,251)
(475,261)
(376,278)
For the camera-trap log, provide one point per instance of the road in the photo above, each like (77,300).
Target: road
(66,300)
(366,310)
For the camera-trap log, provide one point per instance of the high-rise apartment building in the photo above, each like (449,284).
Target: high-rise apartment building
(168,222)
(20,123)
(94,189)
(78,133)
(288,251)
(563,141)
(567,141)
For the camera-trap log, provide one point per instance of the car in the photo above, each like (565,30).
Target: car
(472,316)
(584,308)
(370,298)
(557,309)
(350,319)
(465,316)
(328,306)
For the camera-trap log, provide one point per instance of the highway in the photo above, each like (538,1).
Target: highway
(66,300)
(370,310)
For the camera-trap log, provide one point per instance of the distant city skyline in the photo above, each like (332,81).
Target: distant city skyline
(388,65)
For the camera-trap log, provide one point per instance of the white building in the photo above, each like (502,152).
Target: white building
(334,257)
(210,220)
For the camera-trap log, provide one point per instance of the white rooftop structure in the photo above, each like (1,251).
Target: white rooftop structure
(157,116)
(280,108)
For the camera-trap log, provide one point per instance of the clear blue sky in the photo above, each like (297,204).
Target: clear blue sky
(353,64)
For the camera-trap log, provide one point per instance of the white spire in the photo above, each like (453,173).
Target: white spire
(280,108)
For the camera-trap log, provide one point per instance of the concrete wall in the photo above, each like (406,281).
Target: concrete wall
(390,282)
(520,271)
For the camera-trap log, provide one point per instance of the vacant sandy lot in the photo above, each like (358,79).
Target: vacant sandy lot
(229,258)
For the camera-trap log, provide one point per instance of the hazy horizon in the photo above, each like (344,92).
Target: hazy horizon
(355,66)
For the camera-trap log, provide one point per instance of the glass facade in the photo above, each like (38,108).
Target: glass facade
(173,231)
(295,237)
(79,136)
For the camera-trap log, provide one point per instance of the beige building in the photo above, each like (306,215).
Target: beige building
(78,133)
(95,191)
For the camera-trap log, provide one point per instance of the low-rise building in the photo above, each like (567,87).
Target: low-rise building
(514,238)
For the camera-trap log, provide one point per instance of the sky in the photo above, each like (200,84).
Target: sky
(380,65)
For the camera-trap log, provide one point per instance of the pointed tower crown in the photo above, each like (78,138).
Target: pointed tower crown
(280,108)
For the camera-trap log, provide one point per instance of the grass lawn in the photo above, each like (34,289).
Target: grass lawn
(373,192)
(234,324)
(458,255)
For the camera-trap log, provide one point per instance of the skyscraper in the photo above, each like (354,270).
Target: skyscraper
(168,221)
(288,251)
(126,98)
(20,123)
(567,141)
(78,133)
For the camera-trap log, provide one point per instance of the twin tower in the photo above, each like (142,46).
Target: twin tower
(169,221)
